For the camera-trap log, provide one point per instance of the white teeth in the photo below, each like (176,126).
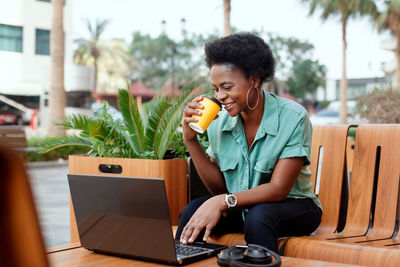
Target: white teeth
(227,105)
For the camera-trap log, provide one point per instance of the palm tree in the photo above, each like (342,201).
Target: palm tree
(389,19)
(90,50)
(113,67)
(57,95)
(227,18)
(345,9)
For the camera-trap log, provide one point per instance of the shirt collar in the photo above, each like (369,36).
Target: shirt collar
(230,123)
(269,121)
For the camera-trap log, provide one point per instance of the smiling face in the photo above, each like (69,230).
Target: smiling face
(231,87)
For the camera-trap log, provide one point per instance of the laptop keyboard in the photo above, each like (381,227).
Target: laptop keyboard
(188,250)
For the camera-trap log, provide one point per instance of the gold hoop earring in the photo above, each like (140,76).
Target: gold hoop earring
(247,98)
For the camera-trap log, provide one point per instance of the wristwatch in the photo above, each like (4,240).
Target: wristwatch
(230,200)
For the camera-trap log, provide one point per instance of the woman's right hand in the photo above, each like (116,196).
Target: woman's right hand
(192,108)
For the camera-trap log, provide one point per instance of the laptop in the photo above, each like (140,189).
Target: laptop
(129,217)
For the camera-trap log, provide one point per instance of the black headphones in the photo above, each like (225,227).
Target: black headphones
(245,256)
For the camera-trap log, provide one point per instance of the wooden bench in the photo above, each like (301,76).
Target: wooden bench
(21,240)
(15,138)
(372,211)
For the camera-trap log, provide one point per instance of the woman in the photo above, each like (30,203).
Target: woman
(255,166)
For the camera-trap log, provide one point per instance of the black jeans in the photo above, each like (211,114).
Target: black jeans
(264,223)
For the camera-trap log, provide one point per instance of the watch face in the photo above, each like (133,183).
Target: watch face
(231,200)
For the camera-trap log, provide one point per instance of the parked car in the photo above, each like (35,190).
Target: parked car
(8,119)
(115,113)
(14,113)
(10,116)
(325,117)
(351,105)
(331,117)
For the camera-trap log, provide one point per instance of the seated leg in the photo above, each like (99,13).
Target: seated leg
(265,222)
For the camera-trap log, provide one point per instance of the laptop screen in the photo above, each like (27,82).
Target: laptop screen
(123,216)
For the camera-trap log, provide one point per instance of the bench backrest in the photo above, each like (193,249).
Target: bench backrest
(13,137)
(328,156)
(21,240)
(376,172)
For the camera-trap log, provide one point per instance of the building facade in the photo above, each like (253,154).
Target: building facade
(355,87)
(25,63)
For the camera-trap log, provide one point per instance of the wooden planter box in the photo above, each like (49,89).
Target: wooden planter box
(174,172)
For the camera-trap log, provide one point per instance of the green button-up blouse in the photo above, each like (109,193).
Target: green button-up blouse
(285,131)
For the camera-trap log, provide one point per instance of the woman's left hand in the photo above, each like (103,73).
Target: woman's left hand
(206,216)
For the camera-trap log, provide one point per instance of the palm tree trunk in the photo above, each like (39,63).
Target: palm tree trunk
(57,95)
(95,75)
(343,82)
(398,59)
(227,18)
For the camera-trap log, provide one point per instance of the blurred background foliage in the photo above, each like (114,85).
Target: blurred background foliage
(380,106)
(161,61)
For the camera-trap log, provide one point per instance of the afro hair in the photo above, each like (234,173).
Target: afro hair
(244,51)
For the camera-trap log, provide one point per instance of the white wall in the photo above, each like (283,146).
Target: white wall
(27,73)
(328,93)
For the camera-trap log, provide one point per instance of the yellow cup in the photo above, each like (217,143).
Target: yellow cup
(211,108)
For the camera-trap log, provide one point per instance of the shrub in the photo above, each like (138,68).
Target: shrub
(380,106)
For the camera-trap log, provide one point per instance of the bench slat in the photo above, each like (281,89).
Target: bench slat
(332,139)
(13,137)
(369,140)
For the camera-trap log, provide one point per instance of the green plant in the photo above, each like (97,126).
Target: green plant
(380,106)
(55,154)
(147,135)
(178,148)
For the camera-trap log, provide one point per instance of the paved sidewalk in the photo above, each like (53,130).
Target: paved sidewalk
(50,189)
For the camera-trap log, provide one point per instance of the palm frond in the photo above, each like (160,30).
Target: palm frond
(149,107)
(52,143)
(76,122)
(155,124)
(170,122)
(98,128)
(90,126)
(132,120)
(145,112)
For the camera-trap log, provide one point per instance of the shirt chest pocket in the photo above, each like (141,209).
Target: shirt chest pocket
(228,164)
(265,167)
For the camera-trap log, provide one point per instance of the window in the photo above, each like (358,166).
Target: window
(42,42)
(48,1)
(10,38)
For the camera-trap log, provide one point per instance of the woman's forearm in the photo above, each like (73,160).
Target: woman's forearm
(208,171)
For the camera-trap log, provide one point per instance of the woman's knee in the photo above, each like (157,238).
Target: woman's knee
(260,216)
(261,227)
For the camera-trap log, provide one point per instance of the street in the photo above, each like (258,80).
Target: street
(51,193)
